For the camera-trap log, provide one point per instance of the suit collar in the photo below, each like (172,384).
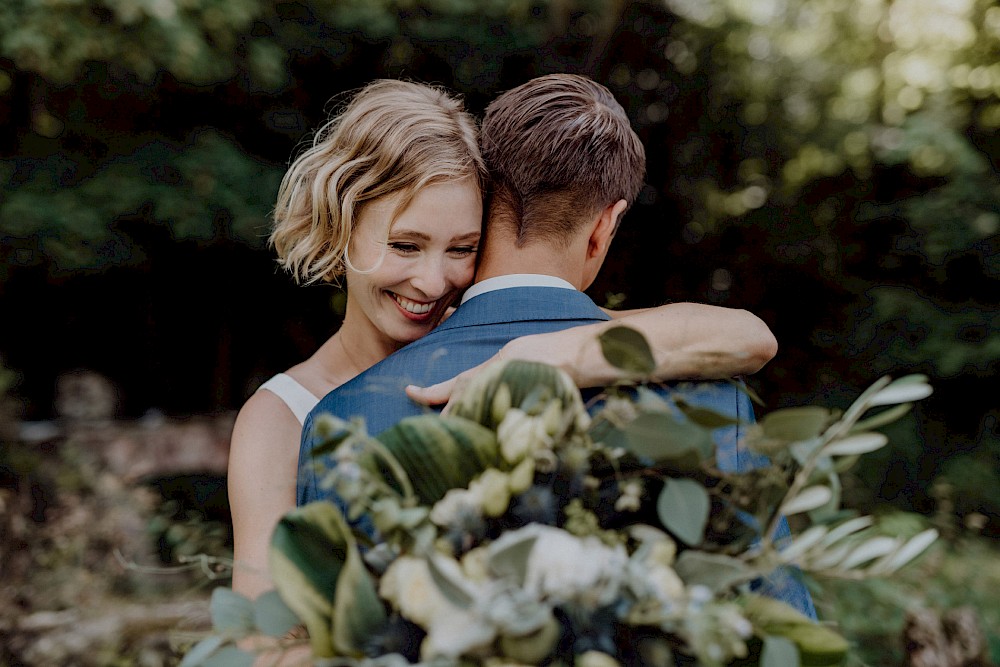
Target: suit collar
(523,304)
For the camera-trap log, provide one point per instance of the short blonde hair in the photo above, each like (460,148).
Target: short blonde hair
(393,137)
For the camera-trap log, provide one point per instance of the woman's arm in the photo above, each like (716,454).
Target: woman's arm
(688,340)
(263,465)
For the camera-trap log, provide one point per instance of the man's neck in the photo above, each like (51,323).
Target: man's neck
(503,257)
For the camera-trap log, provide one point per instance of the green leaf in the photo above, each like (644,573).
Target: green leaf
(779,652)
(904,390)
(716,571)
(358,612)
(794,424)
(683,508)
(421,444)
(665,439)
(309,547)
(452,591)
(882,418)
(818,645)
(201,651)
(859,443)
(231,612)
(808,499)
(511,560)
(704,416)
(627,349)
(230,656)
(272,616)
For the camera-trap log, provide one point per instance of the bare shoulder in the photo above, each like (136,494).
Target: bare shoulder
(265,426)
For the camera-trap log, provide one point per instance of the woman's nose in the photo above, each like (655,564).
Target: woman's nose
(430,278)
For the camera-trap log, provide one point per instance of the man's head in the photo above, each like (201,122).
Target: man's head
(559,150)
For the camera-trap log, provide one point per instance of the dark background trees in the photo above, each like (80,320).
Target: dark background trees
(830,166)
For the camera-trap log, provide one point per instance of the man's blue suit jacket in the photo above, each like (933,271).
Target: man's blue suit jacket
(473,334)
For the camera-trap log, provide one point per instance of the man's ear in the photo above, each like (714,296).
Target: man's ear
(604,230)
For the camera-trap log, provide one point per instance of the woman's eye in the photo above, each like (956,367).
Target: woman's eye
(404,248)
(464,250)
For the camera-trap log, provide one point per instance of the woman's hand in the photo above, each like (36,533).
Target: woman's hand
(441,393)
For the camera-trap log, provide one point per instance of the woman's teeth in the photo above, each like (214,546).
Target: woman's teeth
(413,306)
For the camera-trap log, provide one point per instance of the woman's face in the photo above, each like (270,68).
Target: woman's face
(429,260)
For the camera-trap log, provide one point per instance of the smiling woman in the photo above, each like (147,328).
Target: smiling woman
(388,197)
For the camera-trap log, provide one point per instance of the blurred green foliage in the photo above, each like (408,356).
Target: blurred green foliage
(828,164)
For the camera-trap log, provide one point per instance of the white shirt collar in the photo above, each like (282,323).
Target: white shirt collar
(515,280)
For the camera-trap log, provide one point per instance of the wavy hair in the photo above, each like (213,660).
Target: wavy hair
(393,138)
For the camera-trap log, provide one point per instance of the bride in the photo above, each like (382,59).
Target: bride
(390,197)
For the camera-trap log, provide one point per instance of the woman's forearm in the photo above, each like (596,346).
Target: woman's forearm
(688,341)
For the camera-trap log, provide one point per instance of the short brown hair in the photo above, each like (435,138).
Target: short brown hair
(559,148)
(392,137)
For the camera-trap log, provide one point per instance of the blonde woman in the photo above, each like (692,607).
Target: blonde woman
(389,197)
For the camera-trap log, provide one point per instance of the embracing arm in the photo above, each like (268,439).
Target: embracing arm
(689,341)
(263,463)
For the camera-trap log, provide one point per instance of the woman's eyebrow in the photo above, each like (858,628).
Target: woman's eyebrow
(414,234)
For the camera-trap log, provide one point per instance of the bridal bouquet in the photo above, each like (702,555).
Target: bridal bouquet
(521,530)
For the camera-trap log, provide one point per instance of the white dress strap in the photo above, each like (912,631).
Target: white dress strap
(298,399)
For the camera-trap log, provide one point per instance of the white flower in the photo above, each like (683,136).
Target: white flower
(521,435)
(451,630)
(563,568)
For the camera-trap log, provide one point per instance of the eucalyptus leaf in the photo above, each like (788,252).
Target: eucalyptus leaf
(231,612)
(627,349)
(230,656)
(794,424)
(663,438)
(272,616)
(715,571)
(779,652)
(683,508)
(705,417)
(201,651)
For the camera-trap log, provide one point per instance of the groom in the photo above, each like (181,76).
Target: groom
(565,165)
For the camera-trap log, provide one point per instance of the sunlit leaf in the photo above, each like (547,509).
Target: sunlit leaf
(627,349)
(904,390)
(810,498)
(683,507)
(308,550)
(870,550)
(862,443)
(802,543)
(913,547)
